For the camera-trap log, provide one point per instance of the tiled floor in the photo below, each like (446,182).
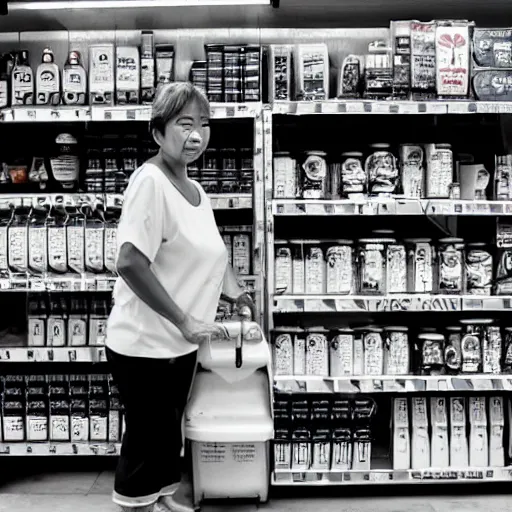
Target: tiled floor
(33,485)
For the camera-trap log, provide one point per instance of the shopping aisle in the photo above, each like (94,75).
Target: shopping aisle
(75,490)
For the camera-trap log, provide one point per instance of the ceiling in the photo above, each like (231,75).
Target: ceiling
(292,13)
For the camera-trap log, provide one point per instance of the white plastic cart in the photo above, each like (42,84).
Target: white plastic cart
(229,416)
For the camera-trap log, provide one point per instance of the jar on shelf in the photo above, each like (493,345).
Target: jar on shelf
(371,265)
(353,178)
(285,176)
(313,175)
(317,352)
(397,356)
(453,349)
(340,261)
(431,346)
(341,353)
(450,266)
(472,343)
(479,269)
(439,176)
(373,347)
(420,265)
(381,170)
(315,268)
(412,170)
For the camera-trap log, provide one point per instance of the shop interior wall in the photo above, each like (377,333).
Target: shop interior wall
(291,13)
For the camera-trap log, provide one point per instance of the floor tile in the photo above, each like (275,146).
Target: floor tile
(103,484)
(50,483)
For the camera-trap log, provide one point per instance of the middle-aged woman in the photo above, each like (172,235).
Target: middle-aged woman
(173,268)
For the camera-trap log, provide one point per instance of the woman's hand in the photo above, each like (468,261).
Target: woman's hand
(245,300)
(197,332)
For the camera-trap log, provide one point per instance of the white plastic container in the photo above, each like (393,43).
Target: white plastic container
(229,419)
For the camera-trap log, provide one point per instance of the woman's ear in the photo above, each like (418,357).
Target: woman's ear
(157,136)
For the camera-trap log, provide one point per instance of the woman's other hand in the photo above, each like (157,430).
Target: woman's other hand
(244,300)
(197,332)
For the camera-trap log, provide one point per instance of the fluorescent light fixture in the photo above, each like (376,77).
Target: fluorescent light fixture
(113,4)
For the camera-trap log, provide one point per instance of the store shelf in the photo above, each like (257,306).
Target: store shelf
(75,283)
(437,107)
(52,354)
(218,201)
(389,303)
(115,113)
(390,206)
(391,384)
(60,449)
(388,476)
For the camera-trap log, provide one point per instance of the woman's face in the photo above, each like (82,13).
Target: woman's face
(186,136)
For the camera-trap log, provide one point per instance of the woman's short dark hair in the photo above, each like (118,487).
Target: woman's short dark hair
(171,99)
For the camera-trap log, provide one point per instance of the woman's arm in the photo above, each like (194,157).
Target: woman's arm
(134,267)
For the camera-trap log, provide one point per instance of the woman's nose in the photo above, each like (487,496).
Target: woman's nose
(195,137)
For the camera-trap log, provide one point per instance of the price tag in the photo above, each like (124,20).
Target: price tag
(306,107)
(368,107)
(230,112)
(72,355)
(380,477)
(408,108)
(435,107)
(5,284)
(474,304)
(102,285)
(37,285)
(331,107)
(355,107)
(102,356)
(5,355)
(456,107)
(131,115)
(379,107)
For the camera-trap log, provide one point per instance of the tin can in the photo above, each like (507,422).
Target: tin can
(373,351)
(285,176)
(396,269)
(503,178)
(504,272)
(315,269)
(420,265)
(334,185)
(371,260)
(439,176)
(283,268)
(313,178)
(397,356)
(298,267)
(471,344)
(412,170)
(432,353)
(381,170)
(359,333)
(479,269)
(341,353)
(354,180)
(299,352)
(450,269)
(453,350)
(340,267)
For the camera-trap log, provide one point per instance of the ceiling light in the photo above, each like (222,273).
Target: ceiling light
(112,4)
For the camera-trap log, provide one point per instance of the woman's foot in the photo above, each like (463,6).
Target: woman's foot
(182,500)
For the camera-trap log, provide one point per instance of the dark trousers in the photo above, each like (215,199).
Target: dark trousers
(154,395)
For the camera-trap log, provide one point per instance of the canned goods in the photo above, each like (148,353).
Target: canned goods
(373,351)
(354,179)
(432,352)
(397,357)
(471,344)
(439,170)
(412,170)
(317,352)
(479,269)
(299,279)
(420,265)
(396,269)
(315,270)
(285,176)
(381,170)
(492,346)
(340,267)
(507,351)
(341,354)
(283,351)
(283,268)
(453,350)
(503,178)
(504,272)
(450,271)
(371,257)
(314,176)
